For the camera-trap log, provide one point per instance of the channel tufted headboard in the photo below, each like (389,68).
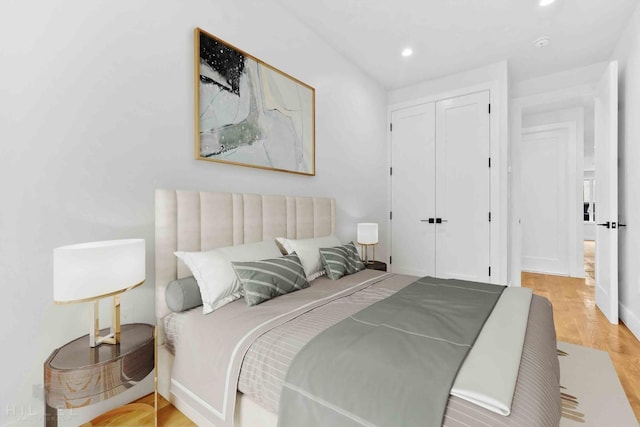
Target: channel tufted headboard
(200,221)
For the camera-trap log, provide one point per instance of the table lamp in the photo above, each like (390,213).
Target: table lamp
(368,236)
(91,271)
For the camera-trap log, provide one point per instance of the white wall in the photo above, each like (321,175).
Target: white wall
(450,83)
(96,111)
(494,78)
(627,52)
(589,138)
(575,77)
(555,116)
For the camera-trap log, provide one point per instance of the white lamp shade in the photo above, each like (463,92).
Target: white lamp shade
(367,233)
(89,271)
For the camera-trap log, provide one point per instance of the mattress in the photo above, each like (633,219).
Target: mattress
(536,400)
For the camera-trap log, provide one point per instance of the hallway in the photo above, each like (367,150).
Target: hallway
(590,262)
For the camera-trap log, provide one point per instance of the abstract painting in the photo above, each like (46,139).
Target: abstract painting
(249,113)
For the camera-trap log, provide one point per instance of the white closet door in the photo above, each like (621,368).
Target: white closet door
(545,200)
(463,187)
(413,190)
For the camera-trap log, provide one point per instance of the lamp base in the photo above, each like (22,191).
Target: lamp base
(365,252)
(94,328)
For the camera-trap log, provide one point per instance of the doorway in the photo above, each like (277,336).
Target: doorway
(590,262)
(601,98)
(589,214)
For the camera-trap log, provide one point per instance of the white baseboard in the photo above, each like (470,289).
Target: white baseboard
(630,319)
(191,412)
(247,413)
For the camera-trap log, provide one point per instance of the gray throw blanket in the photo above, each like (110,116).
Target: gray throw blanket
(391,364)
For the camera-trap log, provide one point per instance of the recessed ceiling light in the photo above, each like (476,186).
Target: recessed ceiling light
(546,2)
(407,52)
(541,41)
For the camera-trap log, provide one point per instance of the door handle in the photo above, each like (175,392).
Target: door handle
(434,220)
(606,224)
(622,225)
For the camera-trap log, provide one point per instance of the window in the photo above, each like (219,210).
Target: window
(588,193)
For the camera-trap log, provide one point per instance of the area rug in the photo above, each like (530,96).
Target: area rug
(591,391)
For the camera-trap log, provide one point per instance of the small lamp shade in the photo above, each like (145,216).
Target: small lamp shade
(367,233)
(89,271)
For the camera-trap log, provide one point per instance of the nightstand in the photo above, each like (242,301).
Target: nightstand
(376,265)
(76,375)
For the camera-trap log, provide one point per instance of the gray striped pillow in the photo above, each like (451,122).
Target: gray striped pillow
(341,261)
(269,278)
(355,261)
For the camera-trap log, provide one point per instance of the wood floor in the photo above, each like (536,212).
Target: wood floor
(139,413)
(590,262)
(577,321)
(169,416)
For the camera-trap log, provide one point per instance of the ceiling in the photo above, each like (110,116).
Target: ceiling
(449,36)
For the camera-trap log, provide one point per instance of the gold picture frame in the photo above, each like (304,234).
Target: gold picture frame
(249,113)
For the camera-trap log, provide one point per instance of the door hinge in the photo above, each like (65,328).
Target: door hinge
(390,215)
(489,216)
(489,108)
(390,127)
(389,259)
(489,271)
(390,171)
(489,161)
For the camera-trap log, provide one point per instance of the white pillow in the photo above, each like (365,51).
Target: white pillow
(214,273)
(308,251)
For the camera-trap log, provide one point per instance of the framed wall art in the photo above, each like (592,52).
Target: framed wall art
(249,113)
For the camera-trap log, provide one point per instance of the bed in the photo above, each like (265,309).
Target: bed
(241,385)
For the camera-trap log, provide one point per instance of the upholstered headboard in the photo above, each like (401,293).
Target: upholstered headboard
(200,221)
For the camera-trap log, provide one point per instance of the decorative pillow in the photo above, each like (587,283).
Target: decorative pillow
(269,278)
(355,263)
(341,261)
(309,252)
(183,294)
(214,273)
